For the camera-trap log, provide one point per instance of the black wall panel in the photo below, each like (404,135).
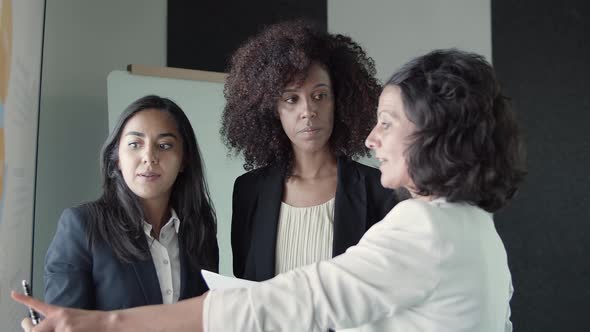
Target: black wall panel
(541,51)
(203,34)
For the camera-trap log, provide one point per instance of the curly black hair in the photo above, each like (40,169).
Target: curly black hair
(467,145)
(261,68)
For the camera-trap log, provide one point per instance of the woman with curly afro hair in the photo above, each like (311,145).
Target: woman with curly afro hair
(300,103)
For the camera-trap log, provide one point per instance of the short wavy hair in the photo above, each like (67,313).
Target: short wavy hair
(261,68)
(466,146)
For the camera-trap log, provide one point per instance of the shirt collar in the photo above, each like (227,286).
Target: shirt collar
(147,228)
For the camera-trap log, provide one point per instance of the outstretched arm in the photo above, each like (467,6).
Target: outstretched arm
(394,267)
(181,316)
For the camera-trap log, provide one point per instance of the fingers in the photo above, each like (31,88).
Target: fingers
(39,306)
(27,325)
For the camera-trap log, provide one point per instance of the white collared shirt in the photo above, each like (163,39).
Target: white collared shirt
(166,256)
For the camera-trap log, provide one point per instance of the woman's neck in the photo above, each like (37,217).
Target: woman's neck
(421,197)
(313,165)
(411,188)
(156,213)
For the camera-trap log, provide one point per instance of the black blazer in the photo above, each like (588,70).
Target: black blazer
(80,277)
(360,202)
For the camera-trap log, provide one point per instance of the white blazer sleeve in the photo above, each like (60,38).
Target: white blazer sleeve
(393,267)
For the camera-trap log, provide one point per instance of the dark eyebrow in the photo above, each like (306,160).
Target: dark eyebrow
(315,87)
(137,133)
(321,85)
(167,135)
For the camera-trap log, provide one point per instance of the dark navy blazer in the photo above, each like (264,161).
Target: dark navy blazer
(80,277)
(360,202)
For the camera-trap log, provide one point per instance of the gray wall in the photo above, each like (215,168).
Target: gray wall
(84,41)
(393,32)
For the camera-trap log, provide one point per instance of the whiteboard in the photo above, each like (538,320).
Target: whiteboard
(203,103)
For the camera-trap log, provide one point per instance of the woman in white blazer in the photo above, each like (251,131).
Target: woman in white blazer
(434,263)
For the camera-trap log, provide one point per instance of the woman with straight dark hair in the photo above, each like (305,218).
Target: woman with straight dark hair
(153,228)
(445,133)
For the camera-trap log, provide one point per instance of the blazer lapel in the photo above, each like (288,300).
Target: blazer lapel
(266,220)
(147,279)
(350,207)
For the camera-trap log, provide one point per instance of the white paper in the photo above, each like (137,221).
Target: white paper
(217,281)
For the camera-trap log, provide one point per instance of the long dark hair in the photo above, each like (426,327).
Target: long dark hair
(117,216)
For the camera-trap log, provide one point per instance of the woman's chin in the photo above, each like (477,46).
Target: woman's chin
(387,183)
